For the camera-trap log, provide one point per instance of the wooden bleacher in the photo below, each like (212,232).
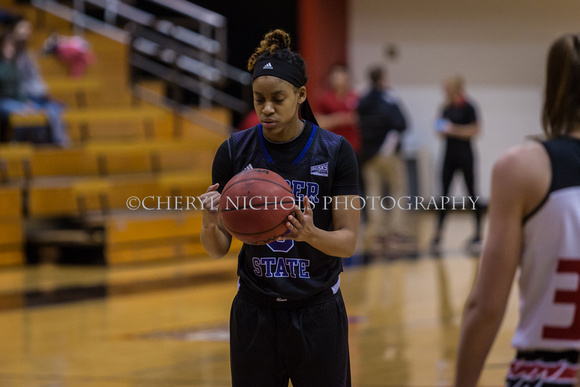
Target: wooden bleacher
(11,226)
(98,123)
(75,199)
(79,89)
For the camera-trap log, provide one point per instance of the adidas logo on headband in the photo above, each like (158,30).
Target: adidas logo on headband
(268,66)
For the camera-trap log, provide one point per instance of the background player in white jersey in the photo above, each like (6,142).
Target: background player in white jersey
(534,225)
(288,320)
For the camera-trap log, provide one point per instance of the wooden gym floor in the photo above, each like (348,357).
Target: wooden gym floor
(165,324)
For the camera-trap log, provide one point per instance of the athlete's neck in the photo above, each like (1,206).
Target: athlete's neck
(293,130)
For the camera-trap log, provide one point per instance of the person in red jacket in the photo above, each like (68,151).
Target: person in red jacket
(336,106)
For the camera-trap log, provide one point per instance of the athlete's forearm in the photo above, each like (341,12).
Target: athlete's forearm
(339,243)
(215,242)
(478,332)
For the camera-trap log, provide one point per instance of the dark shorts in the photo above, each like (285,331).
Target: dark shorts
(543,368)
(271,345)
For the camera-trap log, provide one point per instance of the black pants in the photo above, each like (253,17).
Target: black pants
(271,345)
(5,129)
(459,158)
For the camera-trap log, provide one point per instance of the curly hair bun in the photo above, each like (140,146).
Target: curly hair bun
(276,40)
(272,42)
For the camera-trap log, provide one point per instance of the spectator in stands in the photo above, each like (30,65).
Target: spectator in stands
(9,86)
(73,51)
(26,92)
(336,106)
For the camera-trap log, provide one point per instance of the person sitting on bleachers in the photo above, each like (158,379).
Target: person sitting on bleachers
(9,88)
(31,94)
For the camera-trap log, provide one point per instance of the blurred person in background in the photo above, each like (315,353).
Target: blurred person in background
(336,106)
(458,125)
(31,93)
(9,82)
(382,124)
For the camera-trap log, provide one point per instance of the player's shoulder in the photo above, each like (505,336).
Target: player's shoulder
(242,138)
(328,136)
(522,164)
(336,143)
(244,133)
(520,155)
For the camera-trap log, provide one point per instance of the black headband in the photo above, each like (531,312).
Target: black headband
(288,72)
(279,69)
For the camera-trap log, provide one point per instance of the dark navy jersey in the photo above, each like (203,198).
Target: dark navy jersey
(317,164)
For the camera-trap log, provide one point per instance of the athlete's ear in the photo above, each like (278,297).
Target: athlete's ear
(301,94)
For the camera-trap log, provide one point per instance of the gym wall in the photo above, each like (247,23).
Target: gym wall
(499,47)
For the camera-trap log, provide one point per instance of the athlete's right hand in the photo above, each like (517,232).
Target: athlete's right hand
(210,201)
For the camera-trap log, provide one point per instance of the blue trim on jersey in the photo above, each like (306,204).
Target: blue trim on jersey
(264,145)
(300,156)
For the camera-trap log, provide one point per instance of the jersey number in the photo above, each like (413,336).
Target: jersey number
(567,266)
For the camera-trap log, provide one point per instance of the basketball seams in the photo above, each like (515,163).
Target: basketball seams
(260,204)
(286,188)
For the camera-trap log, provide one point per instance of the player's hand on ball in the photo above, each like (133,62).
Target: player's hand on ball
(210,201)
(300,224)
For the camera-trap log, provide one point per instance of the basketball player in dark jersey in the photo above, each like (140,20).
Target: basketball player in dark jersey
(534,225)
(288,320)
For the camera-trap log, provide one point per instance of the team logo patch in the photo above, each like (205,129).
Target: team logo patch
(268,66)
(319,170)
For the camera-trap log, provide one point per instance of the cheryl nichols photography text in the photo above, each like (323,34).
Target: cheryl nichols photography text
(376,203)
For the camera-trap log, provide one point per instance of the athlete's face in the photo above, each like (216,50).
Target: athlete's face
(277,102)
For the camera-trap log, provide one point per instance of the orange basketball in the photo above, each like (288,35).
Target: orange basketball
(255,205)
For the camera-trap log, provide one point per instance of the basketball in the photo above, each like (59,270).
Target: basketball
(255,205)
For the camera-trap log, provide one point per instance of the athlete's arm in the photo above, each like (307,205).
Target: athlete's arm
(215,239)
(520,179)
(341,241)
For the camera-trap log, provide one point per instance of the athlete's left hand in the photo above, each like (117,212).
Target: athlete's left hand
(300,224)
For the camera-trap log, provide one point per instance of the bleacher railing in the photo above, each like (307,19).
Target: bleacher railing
(187,50)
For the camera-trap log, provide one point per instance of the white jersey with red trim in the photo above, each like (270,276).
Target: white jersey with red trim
(549,277)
